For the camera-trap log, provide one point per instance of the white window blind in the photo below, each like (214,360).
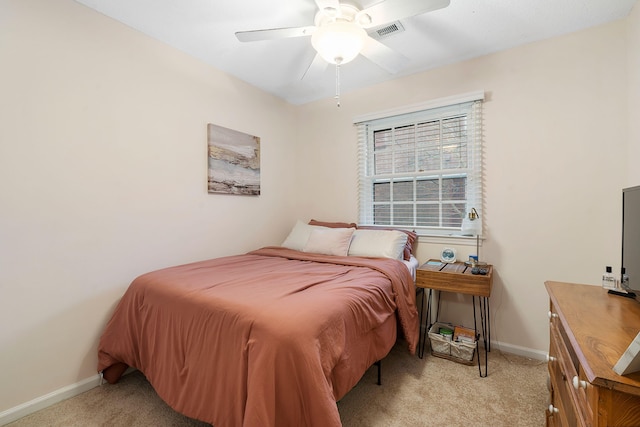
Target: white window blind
(423,169)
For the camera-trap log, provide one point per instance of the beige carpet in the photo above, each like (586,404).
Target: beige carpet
(414,392)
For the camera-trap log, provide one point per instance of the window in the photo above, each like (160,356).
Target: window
(422,169)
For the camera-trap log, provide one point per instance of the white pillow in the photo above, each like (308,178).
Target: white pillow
(329,241)
(299,235)
(378,243)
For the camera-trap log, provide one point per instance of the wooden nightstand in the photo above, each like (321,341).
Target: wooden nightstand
(456,277)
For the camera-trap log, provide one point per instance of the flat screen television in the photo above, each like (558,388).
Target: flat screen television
(631,238)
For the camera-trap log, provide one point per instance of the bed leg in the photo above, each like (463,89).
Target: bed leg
(379,365)
(113,373)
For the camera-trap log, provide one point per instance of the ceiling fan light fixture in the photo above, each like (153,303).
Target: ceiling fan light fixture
(339,42)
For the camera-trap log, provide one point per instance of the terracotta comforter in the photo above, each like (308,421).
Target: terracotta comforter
(270,338)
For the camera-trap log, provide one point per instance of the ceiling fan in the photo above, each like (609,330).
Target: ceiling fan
(339,32)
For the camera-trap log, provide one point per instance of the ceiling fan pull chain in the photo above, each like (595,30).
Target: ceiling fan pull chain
(337,97)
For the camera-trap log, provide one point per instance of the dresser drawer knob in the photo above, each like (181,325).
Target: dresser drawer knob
(577,383)
(552,314)
(553,409)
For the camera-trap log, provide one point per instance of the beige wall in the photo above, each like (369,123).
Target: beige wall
(556,125)
(102,173)
(103,177)
(633,52)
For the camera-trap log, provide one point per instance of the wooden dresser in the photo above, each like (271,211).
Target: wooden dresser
(589,331)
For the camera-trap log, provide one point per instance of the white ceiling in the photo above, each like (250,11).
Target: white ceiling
(465,29)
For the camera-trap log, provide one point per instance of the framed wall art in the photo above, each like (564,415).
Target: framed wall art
(234,161)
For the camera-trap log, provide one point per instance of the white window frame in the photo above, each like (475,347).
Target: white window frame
(469,104)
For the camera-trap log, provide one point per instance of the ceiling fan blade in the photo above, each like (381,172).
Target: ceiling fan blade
(393,10)
(315,69)
(275,33)
(328,5)
(383,56)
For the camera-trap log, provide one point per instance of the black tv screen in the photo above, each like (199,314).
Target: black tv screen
(631,237)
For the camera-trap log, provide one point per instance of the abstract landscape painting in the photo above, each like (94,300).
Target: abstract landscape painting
(234,161)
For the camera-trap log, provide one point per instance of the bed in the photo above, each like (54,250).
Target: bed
(273,337)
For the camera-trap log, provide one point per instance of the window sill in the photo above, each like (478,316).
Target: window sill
(456,240)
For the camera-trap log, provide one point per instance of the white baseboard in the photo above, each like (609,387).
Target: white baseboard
(17,412)
(520,351)
(64,393)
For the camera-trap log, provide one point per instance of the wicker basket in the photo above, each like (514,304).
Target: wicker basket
(462,352)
